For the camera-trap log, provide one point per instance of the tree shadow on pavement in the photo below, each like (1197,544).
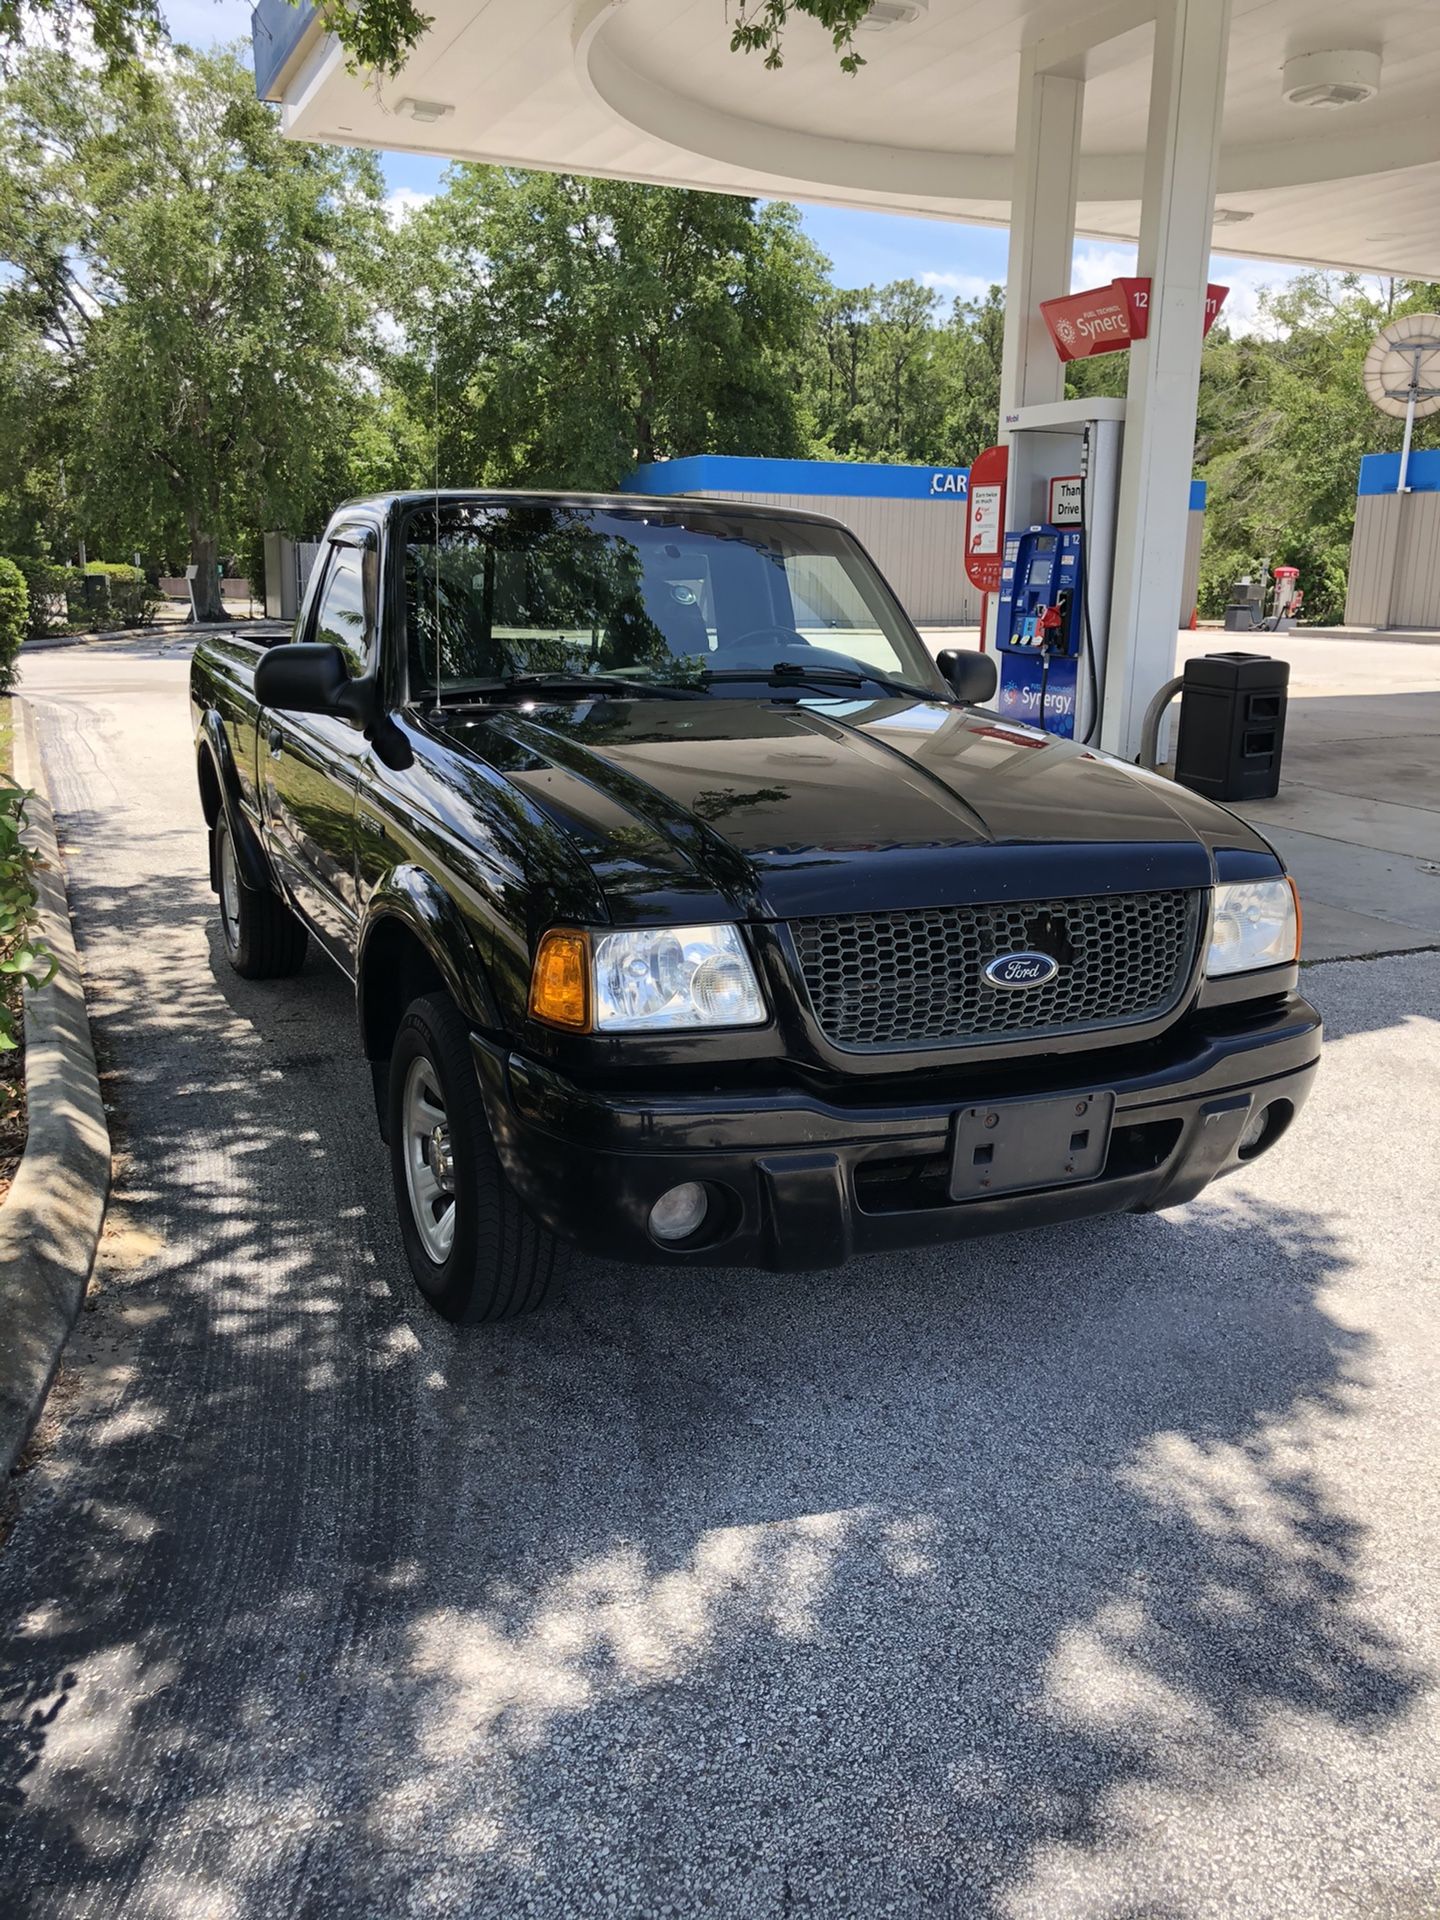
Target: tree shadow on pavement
(898,1590)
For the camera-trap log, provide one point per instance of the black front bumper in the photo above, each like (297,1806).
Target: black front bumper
(800,1183)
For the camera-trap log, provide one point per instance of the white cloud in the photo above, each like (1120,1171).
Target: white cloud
(1092,265)
(964,286)
(404,201)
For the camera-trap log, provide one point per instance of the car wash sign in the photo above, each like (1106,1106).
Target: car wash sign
(949,481)
(1107,319)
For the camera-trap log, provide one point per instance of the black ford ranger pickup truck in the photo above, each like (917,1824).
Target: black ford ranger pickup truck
(696,915)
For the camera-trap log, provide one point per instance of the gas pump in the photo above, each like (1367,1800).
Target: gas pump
(1052,610)
(1040,630)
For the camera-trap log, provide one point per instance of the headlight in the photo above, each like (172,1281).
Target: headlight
(1256,923)
(647,980)
(674,977)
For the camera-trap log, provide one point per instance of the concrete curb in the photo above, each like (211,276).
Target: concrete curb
(51,1219)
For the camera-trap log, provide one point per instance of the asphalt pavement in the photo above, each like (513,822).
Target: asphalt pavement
(1084,1573)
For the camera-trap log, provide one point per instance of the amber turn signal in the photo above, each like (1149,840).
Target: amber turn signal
(1299,917)
(560,981)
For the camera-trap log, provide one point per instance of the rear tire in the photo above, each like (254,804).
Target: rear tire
(475,1252)
(263,939)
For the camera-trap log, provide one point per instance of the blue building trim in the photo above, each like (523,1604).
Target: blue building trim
(1380,472)
(825,479)
(828,479)
(276,29)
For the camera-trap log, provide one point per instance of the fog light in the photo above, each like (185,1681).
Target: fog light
(680,1212)
(1256,1128)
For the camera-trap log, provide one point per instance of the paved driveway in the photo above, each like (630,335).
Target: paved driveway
(1090,1573)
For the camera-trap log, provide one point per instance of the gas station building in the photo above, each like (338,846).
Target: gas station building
(1294,130)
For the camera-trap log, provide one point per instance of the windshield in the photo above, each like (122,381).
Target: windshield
(672,597)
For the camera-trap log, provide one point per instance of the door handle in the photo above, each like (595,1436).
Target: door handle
(276,740)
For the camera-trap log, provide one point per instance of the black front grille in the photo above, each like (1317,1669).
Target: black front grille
(915,979)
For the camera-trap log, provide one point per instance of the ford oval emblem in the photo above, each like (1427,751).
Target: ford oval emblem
(1021,970)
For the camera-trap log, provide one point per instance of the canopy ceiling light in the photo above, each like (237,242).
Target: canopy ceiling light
(884,14)
(1336,77)
(427,112)
(1231,216)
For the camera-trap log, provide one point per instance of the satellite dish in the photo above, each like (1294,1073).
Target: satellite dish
(1402,375)
(1402,368)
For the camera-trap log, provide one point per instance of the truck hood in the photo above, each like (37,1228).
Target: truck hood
(776,809)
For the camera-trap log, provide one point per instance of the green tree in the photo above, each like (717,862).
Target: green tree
(968,366)
(891,382)
(1283,425)
(36,427)
(558,330)
(205,290)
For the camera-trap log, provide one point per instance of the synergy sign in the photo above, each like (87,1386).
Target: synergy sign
(1107,319)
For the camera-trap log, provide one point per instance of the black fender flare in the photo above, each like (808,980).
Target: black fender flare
(249,854)
(416,899)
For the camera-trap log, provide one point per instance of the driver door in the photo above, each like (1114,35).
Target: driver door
(311,767)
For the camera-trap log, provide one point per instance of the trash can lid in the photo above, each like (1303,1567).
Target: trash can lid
(1251,670)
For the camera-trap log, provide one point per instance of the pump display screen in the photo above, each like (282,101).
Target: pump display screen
(1045,544)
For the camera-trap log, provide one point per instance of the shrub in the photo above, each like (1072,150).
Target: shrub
(21,955)
(51,588)
(104,593)
(14,619)
(130,600)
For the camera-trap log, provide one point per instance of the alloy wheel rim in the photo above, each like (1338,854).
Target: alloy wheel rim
(429,1161)
(229,893)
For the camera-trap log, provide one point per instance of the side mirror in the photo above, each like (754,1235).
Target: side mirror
(972,675)
(310,678)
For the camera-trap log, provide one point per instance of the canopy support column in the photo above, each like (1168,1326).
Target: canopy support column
(1187,95)
(1042,231)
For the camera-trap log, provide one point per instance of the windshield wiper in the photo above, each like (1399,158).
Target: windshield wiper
(786,673)
(587,683)
(581,685)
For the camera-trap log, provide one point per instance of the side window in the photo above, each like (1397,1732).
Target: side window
(340,621)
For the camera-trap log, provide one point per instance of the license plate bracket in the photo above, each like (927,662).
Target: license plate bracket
(1012,1146)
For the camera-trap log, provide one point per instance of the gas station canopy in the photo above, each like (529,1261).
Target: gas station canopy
(1329,149)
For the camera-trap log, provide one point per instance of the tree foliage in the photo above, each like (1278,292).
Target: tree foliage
(897,378)
(558,330)
(197,291)
(1283,424)
(25,959)
(14,619)
(759,27)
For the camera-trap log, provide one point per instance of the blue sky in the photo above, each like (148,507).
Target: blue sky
(865,249)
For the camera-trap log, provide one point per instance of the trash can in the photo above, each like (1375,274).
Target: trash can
(1232,725)
(1246,606)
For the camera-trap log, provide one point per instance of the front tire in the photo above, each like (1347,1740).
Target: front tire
(475,1252)
(263,939)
